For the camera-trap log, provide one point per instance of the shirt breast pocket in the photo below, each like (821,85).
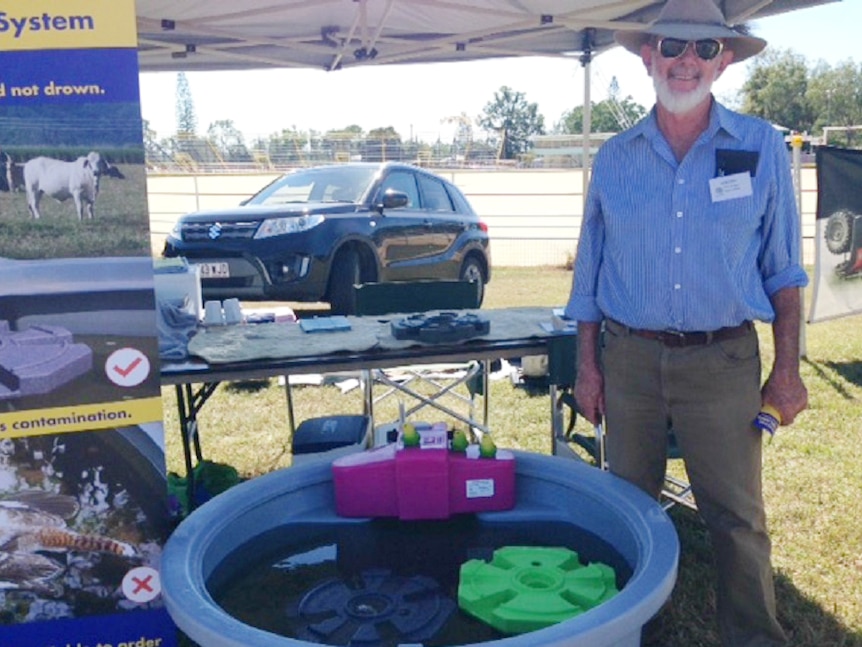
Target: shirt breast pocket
(737,220)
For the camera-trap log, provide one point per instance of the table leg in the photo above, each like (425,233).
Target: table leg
(291,421)
(368,390)
(556,418)
(189,403)
(486,390)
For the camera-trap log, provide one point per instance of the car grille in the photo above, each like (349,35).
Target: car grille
(241,282)
(212,231)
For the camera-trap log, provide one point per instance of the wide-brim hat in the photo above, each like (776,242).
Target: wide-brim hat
(692,20)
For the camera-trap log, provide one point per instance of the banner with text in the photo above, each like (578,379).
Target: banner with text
(83,490)
(838,265)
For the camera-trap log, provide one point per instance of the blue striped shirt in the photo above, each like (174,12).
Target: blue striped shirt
(656,252)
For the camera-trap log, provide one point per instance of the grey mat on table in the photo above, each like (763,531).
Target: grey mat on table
(267,341)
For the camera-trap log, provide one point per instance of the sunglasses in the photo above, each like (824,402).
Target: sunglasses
(706,48)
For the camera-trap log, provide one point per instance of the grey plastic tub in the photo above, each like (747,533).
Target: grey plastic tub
(548,489)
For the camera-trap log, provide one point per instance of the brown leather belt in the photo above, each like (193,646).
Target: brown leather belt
(678,339)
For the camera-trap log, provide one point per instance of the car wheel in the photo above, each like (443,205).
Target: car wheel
(346,272)
(471,270)
(839,232)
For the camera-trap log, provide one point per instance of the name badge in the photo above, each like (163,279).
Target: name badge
(729,187)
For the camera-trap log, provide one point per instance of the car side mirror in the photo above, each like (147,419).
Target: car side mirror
(393,199)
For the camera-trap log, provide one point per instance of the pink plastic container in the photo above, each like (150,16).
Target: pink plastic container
(365,483)
(481,484)
(416,483)
(422,482)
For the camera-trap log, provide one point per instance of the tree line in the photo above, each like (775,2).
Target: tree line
(781,87)
(784,89)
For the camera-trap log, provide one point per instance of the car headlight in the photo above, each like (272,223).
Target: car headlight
(292,225)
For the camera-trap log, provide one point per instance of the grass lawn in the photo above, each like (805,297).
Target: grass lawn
(120,227)
(812,476)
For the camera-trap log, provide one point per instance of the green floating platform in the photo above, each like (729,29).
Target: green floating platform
(526,588)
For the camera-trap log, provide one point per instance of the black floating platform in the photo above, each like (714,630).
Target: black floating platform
(440,328)
(376,605)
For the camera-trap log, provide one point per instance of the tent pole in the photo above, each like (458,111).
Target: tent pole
(586,60)
(585,151)
(796,150)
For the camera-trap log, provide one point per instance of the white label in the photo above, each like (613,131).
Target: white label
(214,270)
(728,187)
(480,489)
(433,439)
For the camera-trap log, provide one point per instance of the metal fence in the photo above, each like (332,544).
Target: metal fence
(199,155)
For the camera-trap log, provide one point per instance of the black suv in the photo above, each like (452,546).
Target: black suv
(312,234)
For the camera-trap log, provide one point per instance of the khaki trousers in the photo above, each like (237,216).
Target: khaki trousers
(709,396)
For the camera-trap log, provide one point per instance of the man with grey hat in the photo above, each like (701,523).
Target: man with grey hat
(690,234)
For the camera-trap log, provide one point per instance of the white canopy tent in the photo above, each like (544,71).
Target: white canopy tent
(332,34)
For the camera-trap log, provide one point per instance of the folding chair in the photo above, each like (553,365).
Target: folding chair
(410,297)
(562,371)
(333,435)
(415,296)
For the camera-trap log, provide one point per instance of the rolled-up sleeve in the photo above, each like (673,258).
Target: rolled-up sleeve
(780,254)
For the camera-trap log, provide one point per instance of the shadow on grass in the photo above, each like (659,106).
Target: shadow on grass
(248,386)
(534,386)
(689,620)
(850,371)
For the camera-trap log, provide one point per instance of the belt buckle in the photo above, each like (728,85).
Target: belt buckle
(674,338)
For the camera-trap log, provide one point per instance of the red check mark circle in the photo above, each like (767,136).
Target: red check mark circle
(127,367)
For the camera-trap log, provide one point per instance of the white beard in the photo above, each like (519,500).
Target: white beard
(680,102)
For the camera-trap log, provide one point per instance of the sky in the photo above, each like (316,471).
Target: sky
(418,99)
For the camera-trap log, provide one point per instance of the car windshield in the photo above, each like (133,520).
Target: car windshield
(328,184)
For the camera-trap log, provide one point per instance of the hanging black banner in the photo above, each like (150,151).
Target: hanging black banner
(838,268)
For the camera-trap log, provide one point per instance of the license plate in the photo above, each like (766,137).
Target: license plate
(214,270)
